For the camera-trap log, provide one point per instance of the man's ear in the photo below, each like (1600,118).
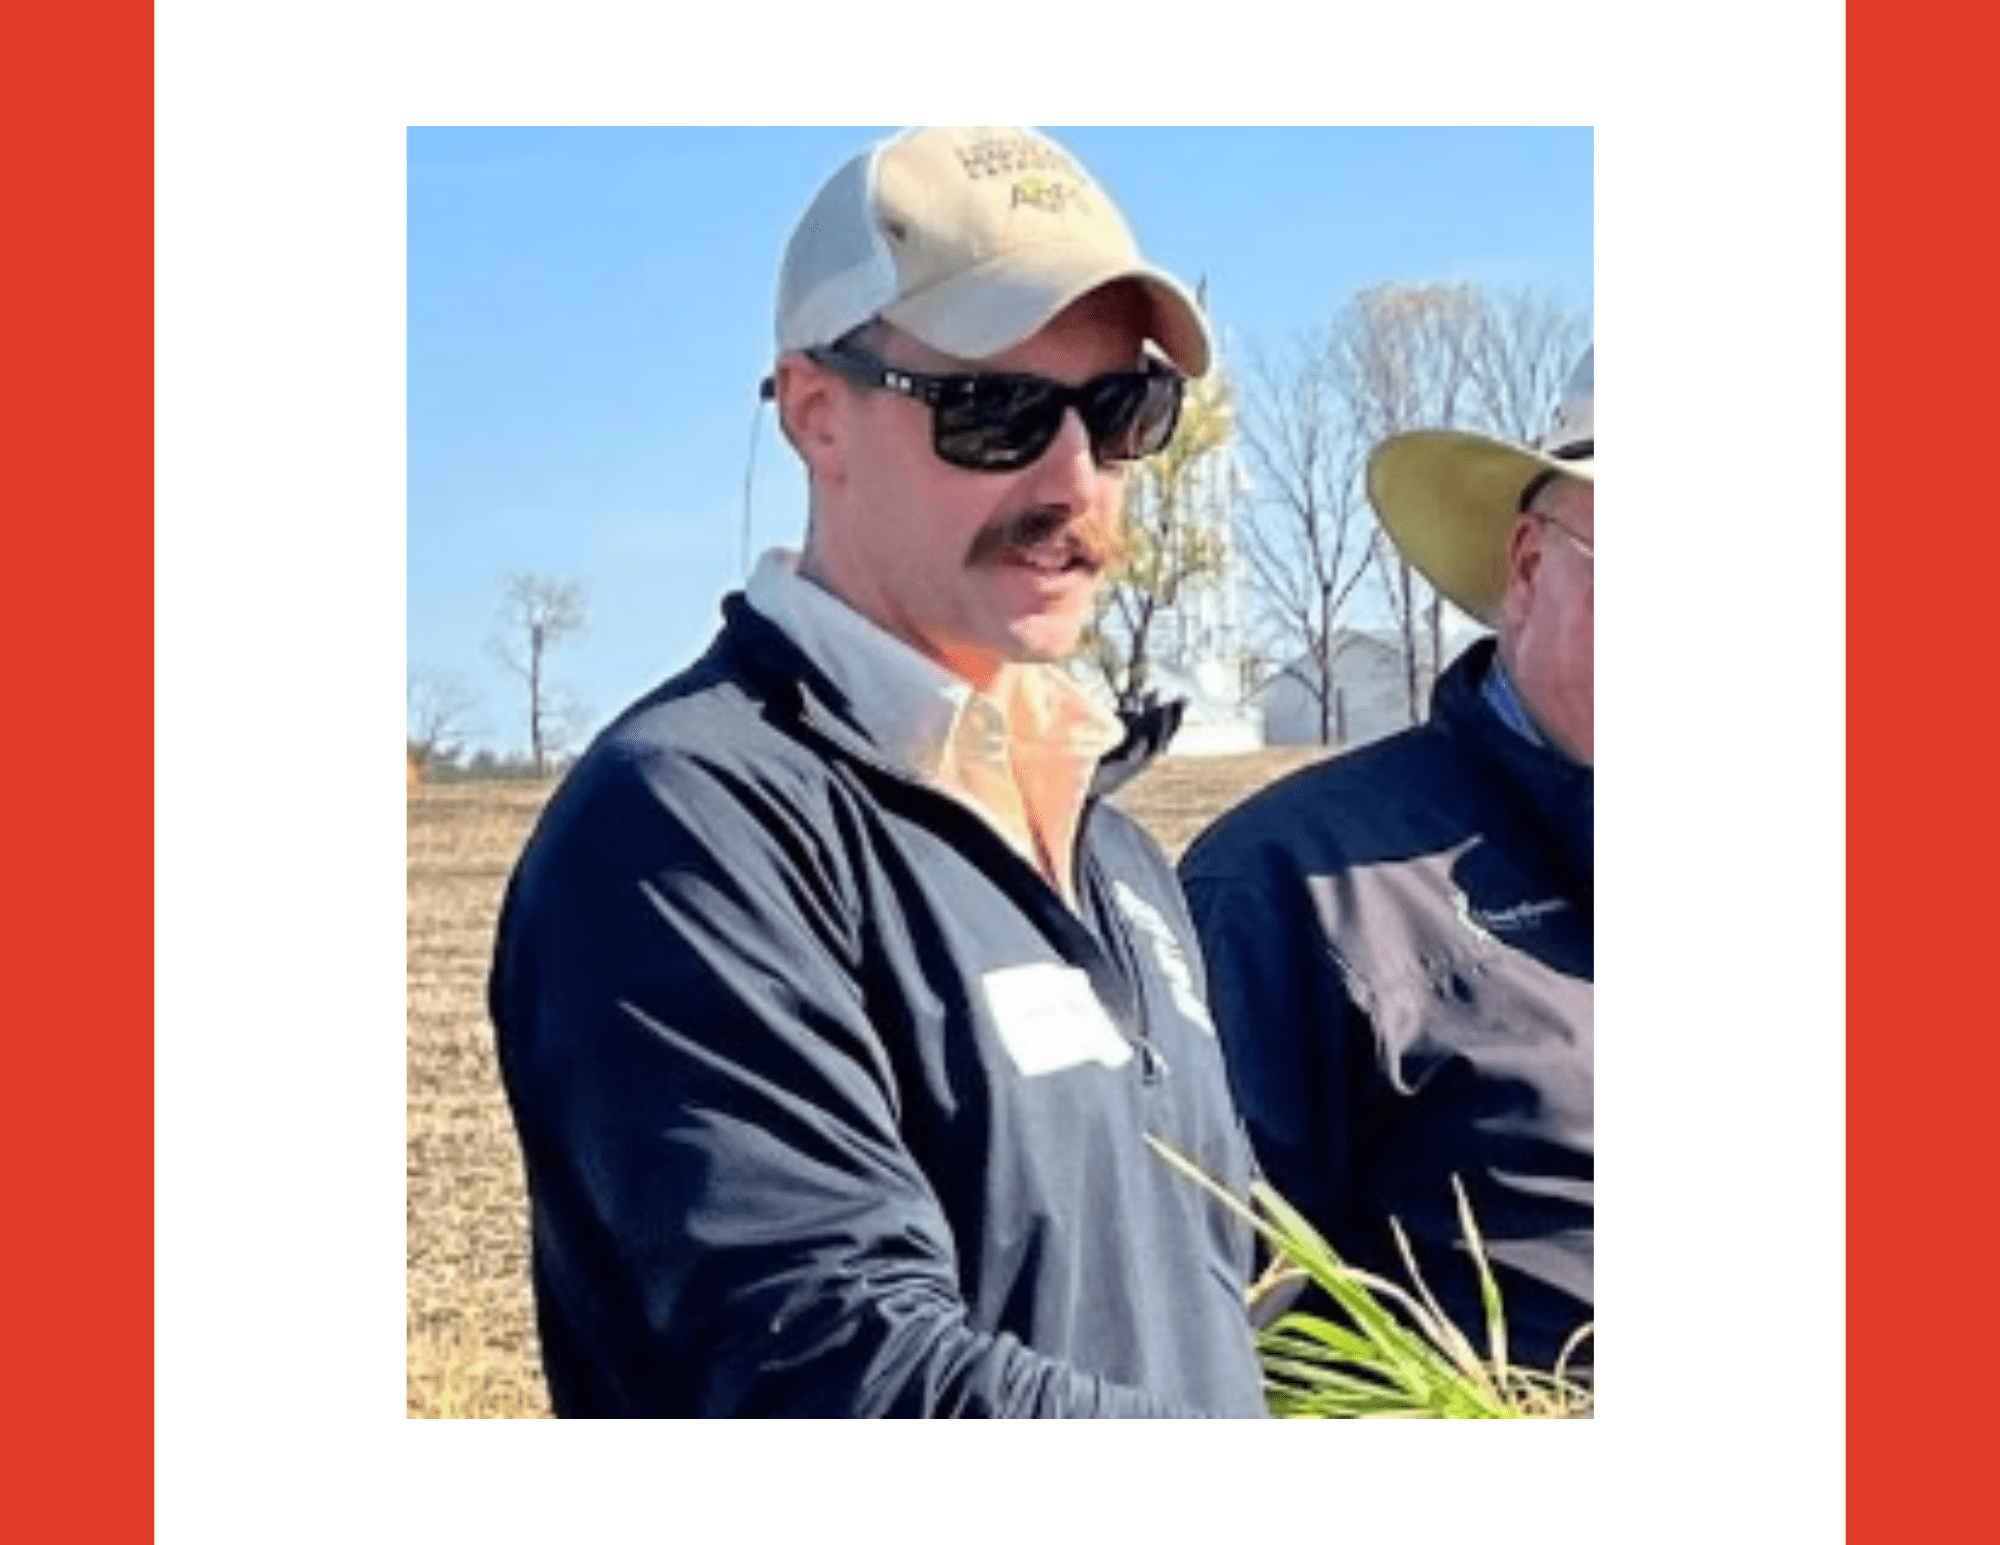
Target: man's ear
(1524,559)
(811,411)
(1524,547)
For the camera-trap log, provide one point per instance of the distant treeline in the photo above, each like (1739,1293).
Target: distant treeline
(488,767)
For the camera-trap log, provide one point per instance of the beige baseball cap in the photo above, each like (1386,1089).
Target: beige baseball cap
(970,240)
(1450,499)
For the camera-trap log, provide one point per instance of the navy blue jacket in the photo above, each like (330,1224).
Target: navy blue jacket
(829,1106)
(1399,947)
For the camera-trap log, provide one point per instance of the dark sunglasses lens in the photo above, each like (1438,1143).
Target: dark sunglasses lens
(1002,423)
(1132,416)
(997,423)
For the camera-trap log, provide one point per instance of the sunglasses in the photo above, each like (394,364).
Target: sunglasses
(1002,423)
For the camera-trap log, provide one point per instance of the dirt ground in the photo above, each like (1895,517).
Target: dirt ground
(471,1349)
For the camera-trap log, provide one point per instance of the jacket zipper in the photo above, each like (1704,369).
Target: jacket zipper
(1116,947)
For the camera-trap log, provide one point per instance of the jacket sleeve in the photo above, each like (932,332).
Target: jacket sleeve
(1298,1049)
(726,1218)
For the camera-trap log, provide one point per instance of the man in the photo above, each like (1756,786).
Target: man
(835,1008)
(1399,940)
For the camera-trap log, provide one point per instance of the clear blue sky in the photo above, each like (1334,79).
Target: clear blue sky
(590,313)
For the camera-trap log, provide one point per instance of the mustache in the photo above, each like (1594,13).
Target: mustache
(1097,542)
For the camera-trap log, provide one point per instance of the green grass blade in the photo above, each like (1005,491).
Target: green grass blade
(1385,1351)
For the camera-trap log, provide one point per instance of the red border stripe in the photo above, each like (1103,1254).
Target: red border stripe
(1923,1097)
(76,412)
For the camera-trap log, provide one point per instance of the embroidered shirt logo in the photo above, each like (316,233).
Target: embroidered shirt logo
(1049,1019)
(1167,954)
(1518,918)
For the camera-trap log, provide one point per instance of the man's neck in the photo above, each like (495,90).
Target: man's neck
(1504,697)
(1022,752)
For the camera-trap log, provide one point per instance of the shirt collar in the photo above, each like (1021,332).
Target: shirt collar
(917,712)
(1502,697)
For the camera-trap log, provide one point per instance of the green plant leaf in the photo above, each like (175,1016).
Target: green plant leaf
(1385,1352)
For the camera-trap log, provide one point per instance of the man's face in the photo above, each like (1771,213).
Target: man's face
(1546,631)
(974,569)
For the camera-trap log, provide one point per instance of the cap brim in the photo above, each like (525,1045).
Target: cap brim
(987,310)
(1449,501)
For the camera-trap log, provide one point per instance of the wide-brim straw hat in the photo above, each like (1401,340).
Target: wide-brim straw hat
(1449,499)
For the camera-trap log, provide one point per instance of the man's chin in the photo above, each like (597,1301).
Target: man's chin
(1046,639)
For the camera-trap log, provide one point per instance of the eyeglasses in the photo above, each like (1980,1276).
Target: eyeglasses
(1001,423)
(1582,544)
(1578,450)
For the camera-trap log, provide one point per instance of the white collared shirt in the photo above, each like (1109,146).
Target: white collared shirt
(1021,757)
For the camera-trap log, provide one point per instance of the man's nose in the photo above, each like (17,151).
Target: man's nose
(1065,475)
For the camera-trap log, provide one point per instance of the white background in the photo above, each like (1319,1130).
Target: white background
(1721,357)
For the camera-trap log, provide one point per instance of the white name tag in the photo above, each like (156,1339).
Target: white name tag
(1049,1019)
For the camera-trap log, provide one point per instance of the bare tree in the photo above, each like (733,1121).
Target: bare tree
(1406,352)
(1307,544)
(1522,353)
(440,707)
(537,615)
(1176,506)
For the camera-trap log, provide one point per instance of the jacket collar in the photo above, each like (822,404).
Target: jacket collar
(1553,794)
(791,680)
